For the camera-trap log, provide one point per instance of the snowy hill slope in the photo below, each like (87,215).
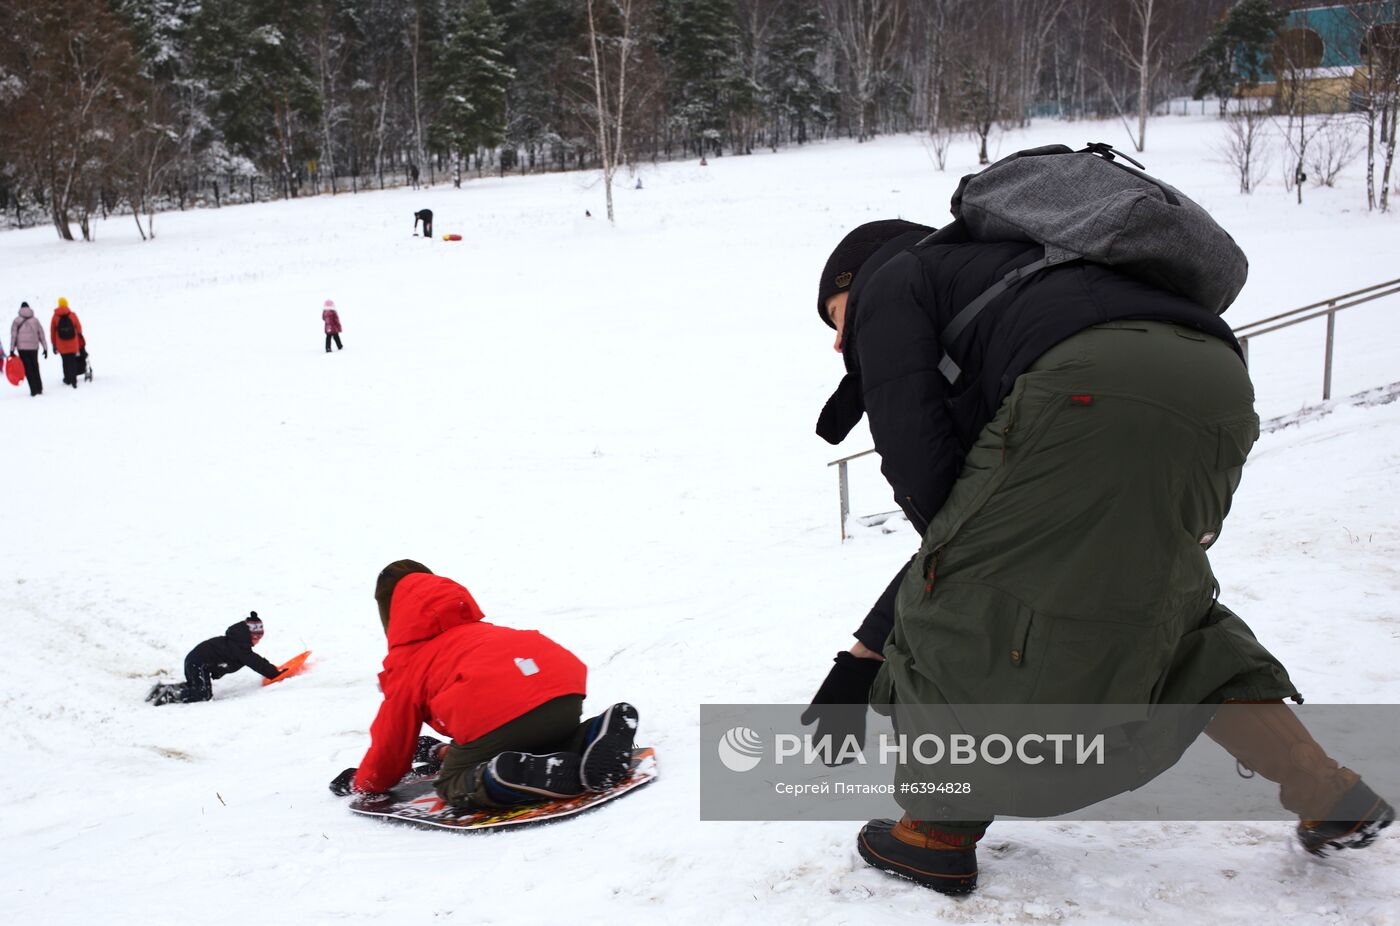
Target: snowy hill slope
(607,435)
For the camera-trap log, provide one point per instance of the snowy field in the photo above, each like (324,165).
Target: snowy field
(606,434)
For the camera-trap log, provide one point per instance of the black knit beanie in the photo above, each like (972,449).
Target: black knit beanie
(853,251)
(24,305)
(389,577)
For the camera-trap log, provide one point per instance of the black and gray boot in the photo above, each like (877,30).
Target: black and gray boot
(166,693)
(607,753)
(525,778)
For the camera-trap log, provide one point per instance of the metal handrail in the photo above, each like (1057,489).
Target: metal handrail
(1329,308)
(1242,331)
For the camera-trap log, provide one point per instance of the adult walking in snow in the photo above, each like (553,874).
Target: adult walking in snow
(1067,483)
(66,332)
(332,322)
(27,339)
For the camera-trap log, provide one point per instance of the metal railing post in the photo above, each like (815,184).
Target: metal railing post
(845,497)
(1327,364)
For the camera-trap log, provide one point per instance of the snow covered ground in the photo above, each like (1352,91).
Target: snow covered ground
(607,435)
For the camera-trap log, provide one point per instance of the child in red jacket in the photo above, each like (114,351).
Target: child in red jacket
(511,700)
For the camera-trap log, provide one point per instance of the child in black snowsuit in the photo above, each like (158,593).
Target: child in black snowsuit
(215,658)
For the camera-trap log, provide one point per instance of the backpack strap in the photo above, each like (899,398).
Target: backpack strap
(949,367)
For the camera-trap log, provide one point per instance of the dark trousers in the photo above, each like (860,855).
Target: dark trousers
(554,726)
(198,687)
(70,369)
(427,226)
(31,371)
(333,336)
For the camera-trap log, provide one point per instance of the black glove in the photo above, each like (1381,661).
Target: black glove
(839,706)
(842,411)
(427,750)
(343,784)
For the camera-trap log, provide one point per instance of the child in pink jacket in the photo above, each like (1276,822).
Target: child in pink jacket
(332,320)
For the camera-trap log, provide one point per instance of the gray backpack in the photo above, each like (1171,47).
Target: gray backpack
(1085,205)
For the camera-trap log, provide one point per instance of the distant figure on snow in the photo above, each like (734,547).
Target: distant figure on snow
(426,217)
(27,339)
(215,658)
(413,175)
(333,329)
(511,700)
(66,332)
(639,183)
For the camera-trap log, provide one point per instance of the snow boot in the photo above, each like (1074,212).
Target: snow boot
(913,849)
(1268,738)
(167,693)
(429,752)
(1354,822)
(525,778)
(607,751)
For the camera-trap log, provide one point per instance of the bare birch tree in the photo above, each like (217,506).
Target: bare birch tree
(1138,44)
(610,56)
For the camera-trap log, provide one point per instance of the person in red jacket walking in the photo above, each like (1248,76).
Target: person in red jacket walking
(331,318)
(511,701)
(66,333)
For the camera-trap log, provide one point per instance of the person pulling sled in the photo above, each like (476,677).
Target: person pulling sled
(510,700)
(426,217)
(215,658)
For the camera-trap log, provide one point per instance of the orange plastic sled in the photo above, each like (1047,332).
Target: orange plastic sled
(451,237)
(289,668)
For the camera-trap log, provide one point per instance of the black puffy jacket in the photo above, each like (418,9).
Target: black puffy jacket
(902,300)
(231,652)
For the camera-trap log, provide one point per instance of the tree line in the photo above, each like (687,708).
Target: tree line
(142,105)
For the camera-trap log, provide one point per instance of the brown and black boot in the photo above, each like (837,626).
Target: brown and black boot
(1353,823)
(914,849)
(1337,810)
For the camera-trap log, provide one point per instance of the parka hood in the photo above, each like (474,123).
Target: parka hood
(26,312)
(425,605)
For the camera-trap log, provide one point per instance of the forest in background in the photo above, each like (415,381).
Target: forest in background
(135,106)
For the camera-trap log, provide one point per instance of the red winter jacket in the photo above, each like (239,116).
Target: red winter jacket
(66,345)
(462,676)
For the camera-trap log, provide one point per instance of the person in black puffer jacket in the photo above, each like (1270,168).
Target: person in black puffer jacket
(215,658)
